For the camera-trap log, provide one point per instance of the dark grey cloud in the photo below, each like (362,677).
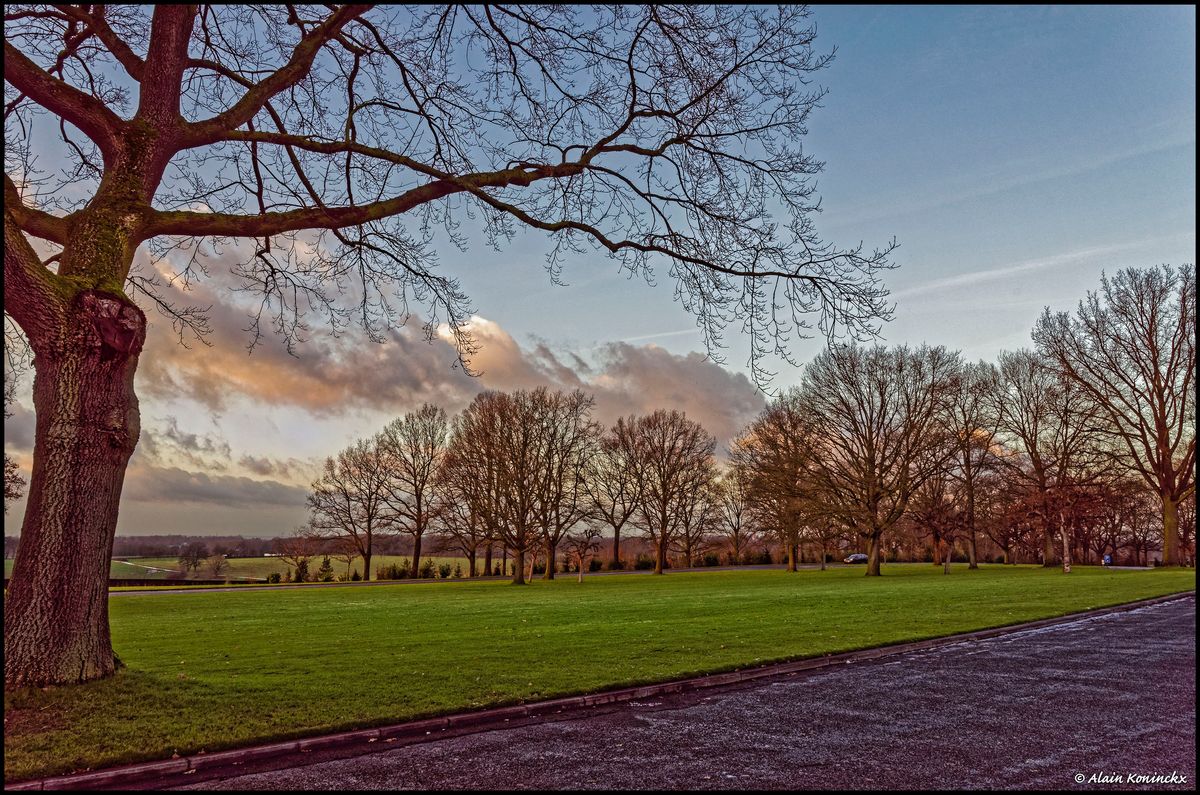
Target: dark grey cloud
(147,483)
(267,466)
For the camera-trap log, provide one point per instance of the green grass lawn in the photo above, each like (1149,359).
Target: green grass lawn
(217,670)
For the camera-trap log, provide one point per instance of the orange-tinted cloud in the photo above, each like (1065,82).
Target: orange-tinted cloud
(331,375)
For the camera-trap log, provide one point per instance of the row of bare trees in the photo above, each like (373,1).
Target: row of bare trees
(1053,443)
(529,471)
(905,445)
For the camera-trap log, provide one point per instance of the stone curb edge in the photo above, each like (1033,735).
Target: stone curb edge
(145,774)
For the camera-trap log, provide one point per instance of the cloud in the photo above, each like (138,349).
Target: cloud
(327,376)
(993,274)
(292,468)
(19,428)
(659,335)
(641,378)
(330,375)
(148,483)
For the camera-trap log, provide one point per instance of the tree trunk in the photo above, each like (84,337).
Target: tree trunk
(616,546)
(937,549)
(579,558)
(947,558)
(1170,514)
(1048,560)
(873,555)
(471,563)
(972,551)
(551,560)
(822,554)
(487,561)
(660,556)
(518,565)
(416,571)
(1066,548)
(791,552)
(56,611)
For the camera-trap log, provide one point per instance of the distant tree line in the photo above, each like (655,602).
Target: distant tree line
(1079,448)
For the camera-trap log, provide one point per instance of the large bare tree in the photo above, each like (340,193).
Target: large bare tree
(1132,347)
(410,450)
(735,521)
(972,426)
(671,455)
(1047,441)
(611,482)
(338,139)
(569,438)
(349,500)
(773,453)
(497,460)
(877,420)
(699,513)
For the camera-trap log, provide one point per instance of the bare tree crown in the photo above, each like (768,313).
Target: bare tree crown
(341,138)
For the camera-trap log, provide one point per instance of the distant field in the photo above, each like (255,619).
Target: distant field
(217,670)
(119,569)
(163,568)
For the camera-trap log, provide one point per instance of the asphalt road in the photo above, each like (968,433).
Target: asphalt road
(1113,695)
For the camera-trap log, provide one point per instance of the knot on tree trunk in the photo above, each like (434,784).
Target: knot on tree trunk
(118,327)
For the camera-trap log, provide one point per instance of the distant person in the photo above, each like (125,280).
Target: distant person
(1108,560)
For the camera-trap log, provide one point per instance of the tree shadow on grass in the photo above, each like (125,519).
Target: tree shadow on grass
(127,717)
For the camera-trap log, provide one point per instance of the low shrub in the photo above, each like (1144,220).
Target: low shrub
(617,565)
(643,563)
(355,576)
(444,570)
(458,570)
(394,571)
(595,565)
(427,569)
(711,559)
(274,577)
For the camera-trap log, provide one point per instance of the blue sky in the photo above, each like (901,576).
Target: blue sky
(986,140)
(1014,152)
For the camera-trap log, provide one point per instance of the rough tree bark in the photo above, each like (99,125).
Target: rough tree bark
(518,566)
(551,560)
(87,427)
(873,555)
(416,563)
(1170,515)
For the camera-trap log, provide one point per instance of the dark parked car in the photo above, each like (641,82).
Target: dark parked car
(857,557)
